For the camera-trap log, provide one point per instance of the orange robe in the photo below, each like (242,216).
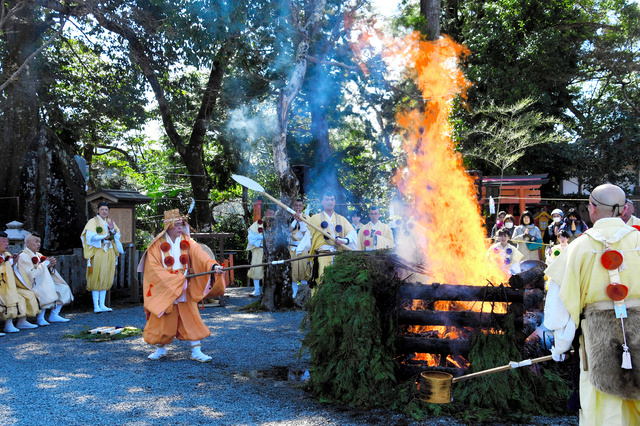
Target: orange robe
(166,319)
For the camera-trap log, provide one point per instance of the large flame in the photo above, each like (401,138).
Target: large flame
(442,193)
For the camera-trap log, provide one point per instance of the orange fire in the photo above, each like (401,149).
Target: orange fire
(442,193)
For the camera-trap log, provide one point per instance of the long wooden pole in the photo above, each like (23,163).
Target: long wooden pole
(503,368)
(305,220)
(275,262)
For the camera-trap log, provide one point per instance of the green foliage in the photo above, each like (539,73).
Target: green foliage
(351,343)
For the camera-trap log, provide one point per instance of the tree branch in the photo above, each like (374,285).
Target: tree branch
(27,61)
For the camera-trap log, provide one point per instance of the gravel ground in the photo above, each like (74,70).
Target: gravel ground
(49,380)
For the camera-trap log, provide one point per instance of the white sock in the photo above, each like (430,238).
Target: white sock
(294,286)
(40,318)
(256,285)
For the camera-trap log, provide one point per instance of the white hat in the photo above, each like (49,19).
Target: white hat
(557,211)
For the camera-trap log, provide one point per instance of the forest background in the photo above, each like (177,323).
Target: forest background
(170,98)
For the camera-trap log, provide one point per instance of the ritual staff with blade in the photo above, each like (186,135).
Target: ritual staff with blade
(594,285)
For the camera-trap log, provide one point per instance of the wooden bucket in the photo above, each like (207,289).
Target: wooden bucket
(435,387)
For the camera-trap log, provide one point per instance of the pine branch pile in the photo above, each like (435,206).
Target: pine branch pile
(350,333)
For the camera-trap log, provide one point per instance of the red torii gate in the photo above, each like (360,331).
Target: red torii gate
(516,190)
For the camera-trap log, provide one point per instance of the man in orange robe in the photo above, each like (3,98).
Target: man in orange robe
(170,299)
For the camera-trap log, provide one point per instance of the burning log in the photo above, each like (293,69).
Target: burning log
(454,318)
(459,293)
(435,346)
(531,278)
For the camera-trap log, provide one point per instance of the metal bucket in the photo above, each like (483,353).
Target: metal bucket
(435,387)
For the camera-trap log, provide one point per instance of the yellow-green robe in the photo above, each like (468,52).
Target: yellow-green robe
(101,254)
(300,269)
(255,239)
(378,236)
(578,279)
(12,305)
(339,227)
(633,221)
(25,290)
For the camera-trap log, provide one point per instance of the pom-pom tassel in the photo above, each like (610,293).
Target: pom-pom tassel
(626,358)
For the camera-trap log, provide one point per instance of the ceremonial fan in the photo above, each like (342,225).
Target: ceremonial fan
(255,186)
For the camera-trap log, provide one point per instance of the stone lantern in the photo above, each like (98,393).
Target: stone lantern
(16,236)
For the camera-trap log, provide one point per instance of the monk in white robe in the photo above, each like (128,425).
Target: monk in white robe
(39,272)
(300,269)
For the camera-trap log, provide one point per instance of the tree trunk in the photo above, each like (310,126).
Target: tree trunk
(430,10)
(192,153)
(325,172)
(274,278)
(20,115)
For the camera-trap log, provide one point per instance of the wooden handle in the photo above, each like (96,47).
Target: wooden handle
(322,231)
(503,368)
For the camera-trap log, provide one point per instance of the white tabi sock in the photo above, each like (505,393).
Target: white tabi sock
(23,323)
(40,318)
(96,301)
(161,352)
(196,352)
(294,286)
(9,327)
(103,296)
(55,315)
(256,285)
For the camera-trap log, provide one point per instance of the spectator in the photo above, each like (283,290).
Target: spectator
(528,237)
(509,224)
(573,224)
(556,250)
(550,237)
(498,225)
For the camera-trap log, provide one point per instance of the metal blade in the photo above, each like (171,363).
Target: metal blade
(247,182)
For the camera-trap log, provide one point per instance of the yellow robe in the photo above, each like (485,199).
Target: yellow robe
(300,269)
(162,288)
(101,262)
(257,253)
(583,281)
(12,305)
(39,278)
(25,291)
(318,240)
(380,233)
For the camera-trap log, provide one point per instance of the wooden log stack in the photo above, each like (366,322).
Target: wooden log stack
(466,320)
